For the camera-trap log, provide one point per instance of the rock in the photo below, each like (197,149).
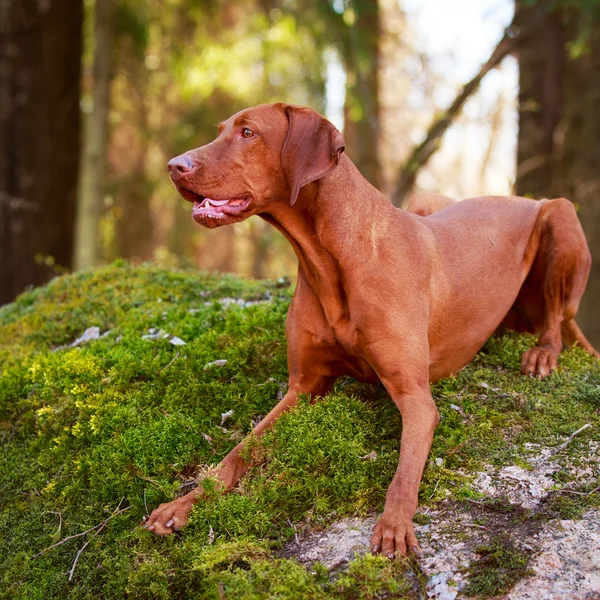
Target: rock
(225,416)
(336,545)
(567,564)
(216,363)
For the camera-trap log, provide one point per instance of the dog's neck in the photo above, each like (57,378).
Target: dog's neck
(336,216)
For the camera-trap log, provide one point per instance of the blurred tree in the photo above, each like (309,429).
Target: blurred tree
(95,114)
(542,62)
(421,154)
(131,136)
(361,110)
(559,122)
(180,68)
(353,27)
(40,58)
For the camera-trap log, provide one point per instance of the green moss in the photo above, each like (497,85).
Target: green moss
(501,563)
(130,420)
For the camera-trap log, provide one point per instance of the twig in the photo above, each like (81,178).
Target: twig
(152,481)
(567,491)
(57,512)
(483,504)
(557,449)
(145,505)
(86,545)
(585,494)
(479,527)
(77,535)
(76,559)
(295,532)
(168,365)
(434,490)
(187,484)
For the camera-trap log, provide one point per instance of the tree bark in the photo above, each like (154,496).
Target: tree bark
(578,175)
(559,129)
(541,71)
(40,54)
(95,139)
(361,111)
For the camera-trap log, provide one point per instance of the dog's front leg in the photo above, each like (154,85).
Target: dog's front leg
(394,533)
(172,516)
(403,367)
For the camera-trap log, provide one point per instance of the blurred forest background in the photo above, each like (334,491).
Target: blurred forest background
(465,98)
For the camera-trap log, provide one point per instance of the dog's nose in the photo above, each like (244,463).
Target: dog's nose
(180,165)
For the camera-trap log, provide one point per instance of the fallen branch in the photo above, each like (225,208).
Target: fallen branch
(76,559)
(585,494)
(78,535)
(557,449)
(87,543)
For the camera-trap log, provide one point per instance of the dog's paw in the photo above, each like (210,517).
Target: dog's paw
(393,537)
(171,516)
(539,362)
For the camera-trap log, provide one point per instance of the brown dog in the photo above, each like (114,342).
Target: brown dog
(382,295)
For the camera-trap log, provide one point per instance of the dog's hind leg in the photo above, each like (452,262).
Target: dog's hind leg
(549,298)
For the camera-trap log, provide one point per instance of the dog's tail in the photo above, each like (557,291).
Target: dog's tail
(571,334)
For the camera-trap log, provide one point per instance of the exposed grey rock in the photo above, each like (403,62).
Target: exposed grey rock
(567,564)
(566,553)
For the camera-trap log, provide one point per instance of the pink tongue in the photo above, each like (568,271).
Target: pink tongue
(217,202)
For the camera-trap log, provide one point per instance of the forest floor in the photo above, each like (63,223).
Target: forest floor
(120,387)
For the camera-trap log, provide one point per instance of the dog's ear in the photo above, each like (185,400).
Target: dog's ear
(311,150)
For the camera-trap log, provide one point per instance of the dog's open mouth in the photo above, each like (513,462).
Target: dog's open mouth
(216,209)
(211,208)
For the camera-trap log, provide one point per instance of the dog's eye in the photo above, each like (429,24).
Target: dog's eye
(247,133)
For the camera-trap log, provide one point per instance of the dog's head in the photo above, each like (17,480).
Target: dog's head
(261,155)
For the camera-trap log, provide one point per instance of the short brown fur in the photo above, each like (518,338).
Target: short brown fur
(383,294)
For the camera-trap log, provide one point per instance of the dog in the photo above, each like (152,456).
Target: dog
(382,295)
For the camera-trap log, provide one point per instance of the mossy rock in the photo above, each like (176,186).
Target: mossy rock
(126,421)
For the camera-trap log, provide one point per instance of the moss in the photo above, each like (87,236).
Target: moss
(501,563)
(127,419)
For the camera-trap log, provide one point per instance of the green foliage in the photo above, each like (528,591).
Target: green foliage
(127,420)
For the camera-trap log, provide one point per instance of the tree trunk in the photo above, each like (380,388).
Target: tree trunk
(261,239)
(541,72)
(559,129)
(578,177)
(361,112)
(40,56)
(93,160)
